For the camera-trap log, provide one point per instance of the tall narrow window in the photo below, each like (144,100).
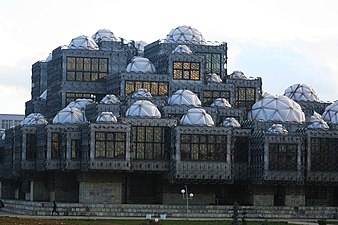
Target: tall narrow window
(212,62)
(56,145)
(76,149)
(30,146)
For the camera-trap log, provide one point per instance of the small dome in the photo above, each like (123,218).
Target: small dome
(277,108)
(34,119)
(139,45)
(141,93)
(80,103)
(184,97)
(182,49)
(231,122)
(238,75)
(140,64)
(221,103)
(83,42)
(213,77)
(69,115)
(43,96)
(104,35)
(185,34)
(110,99)
(143,108)
(197,116)
(49,58)
(107,117)
(301,92)
(317,122)
(330,113)
(277,129)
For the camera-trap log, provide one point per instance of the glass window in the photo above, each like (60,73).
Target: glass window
(245,97)
(210,96)
(30,146)
(154,87)
(75,149)
(110,145)
(186,71)
(56,145)
(212,62)
(282,156)
(86,69)
(324,155)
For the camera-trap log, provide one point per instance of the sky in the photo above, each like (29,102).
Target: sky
(284,42)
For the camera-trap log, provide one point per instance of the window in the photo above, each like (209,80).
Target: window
(6,124)
(72,96)
(150,143)
(110,145)
(86,69)
(203,147)
(56,145)
(154,87)
(324,156)
(76,149)
(241,149)
(212,62)
(210,96)
(245,97)
(282,156)
(30,146)
(186,71)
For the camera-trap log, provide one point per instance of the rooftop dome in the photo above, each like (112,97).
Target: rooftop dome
(106,117)
(69,115)
(301,92)
(139,45)
(140,64)
(110,99)
(213,77)
(80,103)
(185,34)
(221,103)
(277,129)
(238,75)
(34,119)
(142,93)
(277,108)
(143,108)
(330,113)
(197,116)
(103,35)
(182,49)
(317,122)
(83,42)
(184,97)
(231,122)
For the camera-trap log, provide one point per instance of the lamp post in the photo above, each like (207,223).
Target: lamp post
(187,197)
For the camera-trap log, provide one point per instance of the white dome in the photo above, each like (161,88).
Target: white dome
(139,45)
(231,122)
(110,99)
(69,115)
(330,113)
(80,103)
(197,116)
(185,34)
(34,119)
(184,97)
(107,117)
(103,35)
(141,93)
(182,49)
(221,103)
(238,75)
(277,108)
(83,42)
(277,129)
(43,96)
(213,77)
(143,108)
(317,122)
(301,92)
(140,64)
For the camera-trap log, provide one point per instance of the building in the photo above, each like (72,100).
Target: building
(116,121)
(9,120)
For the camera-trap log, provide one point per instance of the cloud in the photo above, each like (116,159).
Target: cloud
(13,99)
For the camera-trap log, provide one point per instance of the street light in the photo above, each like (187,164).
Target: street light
(187,197)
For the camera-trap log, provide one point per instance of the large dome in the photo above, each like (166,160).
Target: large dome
(185,34)
(301,92)
(103,35)
(140,64)
(197,116)
(330,113)
(83,42)
(143,108)
(69,115)
(184,97)
(277,108)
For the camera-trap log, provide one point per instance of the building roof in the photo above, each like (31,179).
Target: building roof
(143,108)
(185,35)
(301,92)
(184,97)
(197,116)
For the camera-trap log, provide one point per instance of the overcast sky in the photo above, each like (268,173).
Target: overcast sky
(283,41)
